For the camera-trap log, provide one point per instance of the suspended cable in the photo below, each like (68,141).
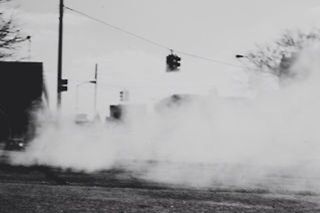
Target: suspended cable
(148,40)
(116,28)
(208,59)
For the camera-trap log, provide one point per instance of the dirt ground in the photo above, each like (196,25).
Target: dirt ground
(41,189)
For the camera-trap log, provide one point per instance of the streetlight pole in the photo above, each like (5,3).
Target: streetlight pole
(77,92)
(95,82)
(60,44)
(29,47)
(95,88)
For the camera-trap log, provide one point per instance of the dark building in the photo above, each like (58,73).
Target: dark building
(21,93)
(116,112)
(122,112)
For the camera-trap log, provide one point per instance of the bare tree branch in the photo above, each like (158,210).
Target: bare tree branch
(277,57)
(10,35)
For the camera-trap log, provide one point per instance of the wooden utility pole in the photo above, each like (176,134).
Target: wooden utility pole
(59,77)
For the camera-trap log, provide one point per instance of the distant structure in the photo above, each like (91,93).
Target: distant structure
(116,112)
(22,92)
(121,112)
(175,101)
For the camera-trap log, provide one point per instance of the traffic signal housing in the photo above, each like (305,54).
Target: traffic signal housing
(173,62)
(121,95)
(124,95)
(63,85)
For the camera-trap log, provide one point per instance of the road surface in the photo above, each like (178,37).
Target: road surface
(43,189)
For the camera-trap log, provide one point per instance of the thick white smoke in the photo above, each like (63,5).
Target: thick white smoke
(271,141)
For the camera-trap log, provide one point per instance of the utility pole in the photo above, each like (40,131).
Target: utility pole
(59,77)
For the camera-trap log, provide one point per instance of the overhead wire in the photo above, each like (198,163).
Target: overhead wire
(148,40)
(116,28)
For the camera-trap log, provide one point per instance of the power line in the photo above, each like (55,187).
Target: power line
(208,59)
(148,40)
(116,28)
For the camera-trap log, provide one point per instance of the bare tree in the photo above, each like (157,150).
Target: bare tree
(278,56)
(10,35)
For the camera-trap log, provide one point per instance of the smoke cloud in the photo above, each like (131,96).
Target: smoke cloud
(269,142)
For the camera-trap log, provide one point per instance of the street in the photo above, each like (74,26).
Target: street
(44,189)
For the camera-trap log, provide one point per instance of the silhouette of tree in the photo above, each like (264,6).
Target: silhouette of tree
(10,35)
(278,56)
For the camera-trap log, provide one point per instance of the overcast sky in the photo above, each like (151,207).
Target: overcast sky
(216,29)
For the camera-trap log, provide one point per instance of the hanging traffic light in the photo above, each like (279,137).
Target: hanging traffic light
(173,62)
